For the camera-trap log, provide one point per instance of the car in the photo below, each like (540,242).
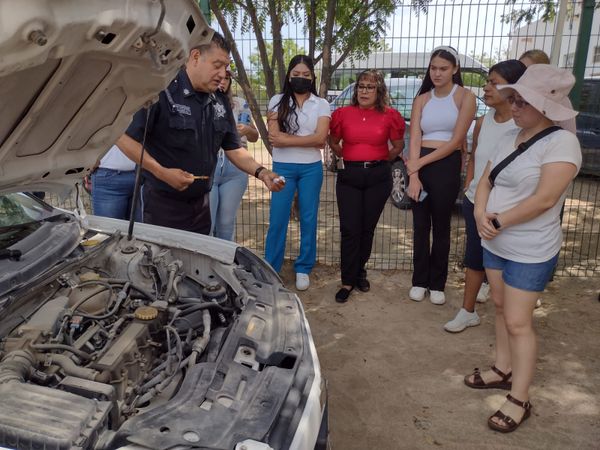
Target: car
(128,337)
(402,92)
(588,126)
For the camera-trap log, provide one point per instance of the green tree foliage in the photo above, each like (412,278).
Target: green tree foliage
(256,73)
(336,30)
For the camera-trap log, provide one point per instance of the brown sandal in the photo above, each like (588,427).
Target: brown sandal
(478,382)
(511,425)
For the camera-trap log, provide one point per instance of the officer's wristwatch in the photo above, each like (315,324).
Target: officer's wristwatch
(259,169)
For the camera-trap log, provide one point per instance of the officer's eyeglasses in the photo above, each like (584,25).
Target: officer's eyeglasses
(518,102)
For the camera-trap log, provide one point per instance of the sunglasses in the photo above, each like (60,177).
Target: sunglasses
(518,102)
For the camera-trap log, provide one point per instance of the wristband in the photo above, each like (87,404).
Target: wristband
(258,170)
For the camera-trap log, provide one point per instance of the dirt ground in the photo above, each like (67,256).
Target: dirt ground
(396,377)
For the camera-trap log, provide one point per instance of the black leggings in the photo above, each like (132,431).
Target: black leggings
(441,180)
(361,197)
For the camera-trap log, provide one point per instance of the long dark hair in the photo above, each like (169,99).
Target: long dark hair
(448,56)
(376,76)
(287,118)
(511,70)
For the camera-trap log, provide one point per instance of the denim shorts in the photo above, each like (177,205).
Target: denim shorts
(473,250)
(525,276)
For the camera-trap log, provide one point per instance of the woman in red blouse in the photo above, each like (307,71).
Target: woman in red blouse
(361,134)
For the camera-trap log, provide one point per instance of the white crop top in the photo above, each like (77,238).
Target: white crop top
(439,117)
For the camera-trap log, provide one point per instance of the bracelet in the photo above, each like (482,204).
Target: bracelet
(258,170)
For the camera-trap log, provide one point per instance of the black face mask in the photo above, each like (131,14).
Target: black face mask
(300,85)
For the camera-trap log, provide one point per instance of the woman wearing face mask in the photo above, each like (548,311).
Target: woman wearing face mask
(440,118)
(361,133)
(298,122)
(488,130)
(517,208)
(229,183)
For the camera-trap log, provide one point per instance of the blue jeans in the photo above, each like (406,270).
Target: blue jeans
(112,193)
(307,180)
(229,185)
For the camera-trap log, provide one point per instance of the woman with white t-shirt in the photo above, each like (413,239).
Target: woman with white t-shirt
(488,129)
(517,208)
(298,123)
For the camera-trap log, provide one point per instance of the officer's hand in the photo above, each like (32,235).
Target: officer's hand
(177,178)
(274,182)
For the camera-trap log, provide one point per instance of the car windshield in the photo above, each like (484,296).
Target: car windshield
(21,215)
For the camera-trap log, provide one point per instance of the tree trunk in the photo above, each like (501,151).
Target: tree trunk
(242,78)
(262,49)
(276,23)
(312,29)
(326,68)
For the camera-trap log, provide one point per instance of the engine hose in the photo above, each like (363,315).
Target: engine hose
(172,272)
(67,348)
(121,296)
(206,306)
(141,290)
(154,391)
(16,366)
(70,368)
(201,343)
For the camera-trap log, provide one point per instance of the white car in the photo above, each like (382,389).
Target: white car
(154,339)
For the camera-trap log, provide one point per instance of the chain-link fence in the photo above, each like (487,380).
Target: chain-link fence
(484,32)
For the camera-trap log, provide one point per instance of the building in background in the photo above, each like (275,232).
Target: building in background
(539,35)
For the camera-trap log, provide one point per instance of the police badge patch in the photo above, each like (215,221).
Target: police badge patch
(220,111)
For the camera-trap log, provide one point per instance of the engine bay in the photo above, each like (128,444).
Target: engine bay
(114,338)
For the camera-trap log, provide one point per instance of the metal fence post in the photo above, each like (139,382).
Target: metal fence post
(581,51)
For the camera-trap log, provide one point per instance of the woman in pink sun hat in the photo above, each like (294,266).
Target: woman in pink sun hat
(517,208)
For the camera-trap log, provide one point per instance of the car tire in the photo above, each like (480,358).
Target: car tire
(399,195)
(330,159)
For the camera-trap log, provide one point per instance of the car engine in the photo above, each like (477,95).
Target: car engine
(113,338)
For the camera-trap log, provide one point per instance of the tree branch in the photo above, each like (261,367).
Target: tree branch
(243,80)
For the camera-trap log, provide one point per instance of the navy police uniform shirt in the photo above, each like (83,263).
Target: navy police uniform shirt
(185,130)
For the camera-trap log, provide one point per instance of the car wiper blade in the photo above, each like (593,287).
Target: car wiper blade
(20,226)
(15,255)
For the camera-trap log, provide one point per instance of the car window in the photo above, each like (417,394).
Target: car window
(20,215)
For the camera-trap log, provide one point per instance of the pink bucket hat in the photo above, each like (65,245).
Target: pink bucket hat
(546,88)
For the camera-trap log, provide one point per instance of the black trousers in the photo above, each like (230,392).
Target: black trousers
(184,214)
(361,196)
(441,180)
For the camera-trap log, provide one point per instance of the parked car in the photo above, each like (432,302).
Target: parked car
(161,339)
(402,92)
(588,126)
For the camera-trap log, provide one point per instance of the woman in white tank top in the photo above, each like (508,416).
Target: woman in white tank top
(440,118)
(488,130)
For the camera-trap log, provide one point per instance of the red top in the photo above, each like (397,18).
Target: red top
(365,132)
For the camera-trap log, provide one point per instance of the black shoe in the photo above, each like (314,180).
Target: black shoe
(363,285)
(342,295)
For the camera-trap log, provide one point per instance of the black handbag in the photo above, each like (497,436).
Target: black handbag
(520,149)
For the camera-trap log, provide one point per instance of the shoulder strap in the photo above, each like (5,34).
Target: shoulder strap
(520,149)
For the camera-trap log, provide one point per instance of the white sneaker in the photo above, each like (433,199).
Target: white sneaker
(417,294)
(302,281)
(462,320)
(484,293)
(437,297)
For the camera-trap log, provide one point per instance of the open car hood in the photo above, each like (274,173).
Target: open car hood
(72,73)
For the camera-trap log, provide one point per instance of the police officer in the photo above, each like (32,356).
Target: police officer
(184,132)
